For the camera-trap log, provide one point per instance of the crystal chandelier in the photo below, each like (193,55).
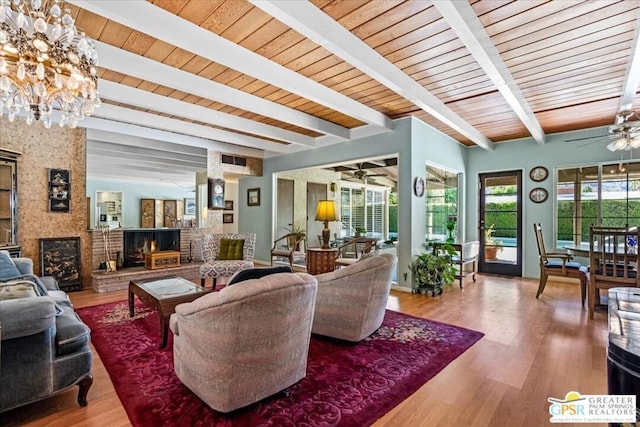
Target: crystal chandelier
(45,63)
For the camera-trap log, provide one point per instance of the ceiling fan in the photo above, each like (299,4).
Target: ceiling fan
(625,134)
(363,174)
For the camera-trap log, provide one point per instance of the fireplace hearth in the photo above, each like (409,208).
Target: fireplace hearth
(138,243)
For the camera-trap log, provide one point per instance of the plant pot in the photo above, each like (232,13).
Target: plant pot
(425,288)
(491,253)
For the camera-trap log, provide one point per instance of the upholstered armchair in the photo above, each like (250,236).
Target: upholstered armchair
(251,340)
(351,301)
(225,254)
(44,345)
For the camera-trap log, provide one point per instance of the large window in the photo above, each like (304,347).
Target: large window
(606,194)
(363,208)
(441,201)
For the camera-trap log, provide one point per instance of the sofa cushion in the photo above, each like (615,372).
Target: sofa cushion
(71,333)
(18,289)
(231,249)
(8,269)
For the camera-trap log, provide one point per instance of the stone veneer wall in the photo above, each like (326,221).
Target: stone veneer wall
(43,149)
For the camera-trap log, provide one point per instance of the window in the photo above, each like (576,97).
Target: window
(606,194)
(363,207)
(441,201)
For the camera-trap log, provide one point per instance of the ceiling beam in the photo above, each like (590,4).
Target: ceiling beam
(313,23)
(98,127)
(127,63)
(133,141)
(156,22)
(127,115)
(151,101)
(465,23)
(632,78)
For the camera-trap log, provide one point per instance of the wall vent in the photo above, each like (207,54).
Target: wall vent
(234,160)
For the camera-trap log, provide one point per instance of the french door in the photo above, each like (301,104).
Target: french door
(500,223)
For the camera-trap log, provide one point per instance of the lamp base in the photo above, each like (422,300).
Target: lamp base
(326,235)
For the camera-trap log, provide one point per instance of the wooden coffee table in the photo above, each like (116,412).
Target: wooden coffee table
(163,295)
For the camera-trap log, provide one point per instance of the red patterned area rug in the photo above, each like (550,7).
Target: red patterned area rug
(346,384)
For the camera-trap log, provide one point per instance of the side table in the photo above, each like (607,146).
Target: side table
(321,260)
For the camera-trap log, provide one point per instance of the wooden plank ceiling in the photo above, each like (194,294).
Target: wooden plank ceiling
(266,78)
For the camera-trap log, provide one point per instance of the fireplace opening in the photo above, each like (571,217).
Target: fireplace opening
(138,243)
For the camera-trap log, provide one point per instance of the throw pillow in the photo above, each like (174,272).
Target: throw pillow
(17,289)
(8,269)
(231,249)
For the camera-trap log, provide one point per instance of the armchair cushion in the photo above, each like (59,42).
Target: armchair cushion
(8,269)
(231,249)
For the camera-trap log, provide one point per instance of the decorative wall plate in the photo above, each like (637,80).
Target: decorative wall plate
(538,173)
(538,195)
(418,186)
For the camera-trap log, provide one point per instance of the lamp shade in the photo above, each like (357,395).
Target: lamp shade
(326,211)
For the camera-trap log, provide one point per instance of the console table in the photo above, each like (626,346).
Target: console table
(467,254)
(321,260)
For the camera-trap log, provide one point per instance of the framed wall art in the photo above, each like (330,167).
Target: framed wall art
(538,173)
(228,205)
(59,190)
(227,218)
(253,197)
(189,206)
(60,258)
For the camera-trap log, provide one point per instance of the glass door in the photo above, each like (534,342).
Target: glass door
(500,227)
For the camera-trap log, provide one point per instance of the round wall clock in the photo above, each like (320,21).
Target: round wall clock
(539,173)
(538,195)
(418,186)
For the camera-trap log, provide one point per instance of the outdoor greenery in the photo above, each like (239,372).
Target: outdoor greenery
(617,213)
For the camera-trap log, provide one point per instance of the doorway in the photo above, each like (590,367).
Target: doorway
(500,223)
(315,193)
(284,213)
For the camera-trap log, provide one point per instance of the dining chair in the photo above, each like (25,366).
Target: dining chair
(558,264)
(613,261)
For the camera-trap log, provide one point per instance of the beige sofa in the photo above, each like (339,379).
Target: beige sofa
(246,342)
(351,301)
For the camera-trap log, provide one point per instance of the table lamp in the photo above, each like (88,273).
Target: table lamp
(326,211)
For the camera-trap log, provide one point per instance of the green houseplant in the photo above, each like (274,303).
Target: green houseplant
(292,239)
(433,269)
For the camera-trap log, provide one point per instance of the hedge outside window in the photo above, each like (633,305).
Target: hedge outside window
(607,194)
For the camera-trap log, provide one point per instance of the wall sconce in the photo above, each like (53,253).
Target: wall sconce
(333,187)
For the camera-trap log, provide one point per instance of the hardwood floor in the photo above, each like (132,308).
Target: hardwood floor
(532,350)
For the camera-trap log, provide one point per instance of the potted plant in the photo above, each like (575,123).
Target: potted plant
(433,269)
(360,231)
(294,229)
(491,245)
